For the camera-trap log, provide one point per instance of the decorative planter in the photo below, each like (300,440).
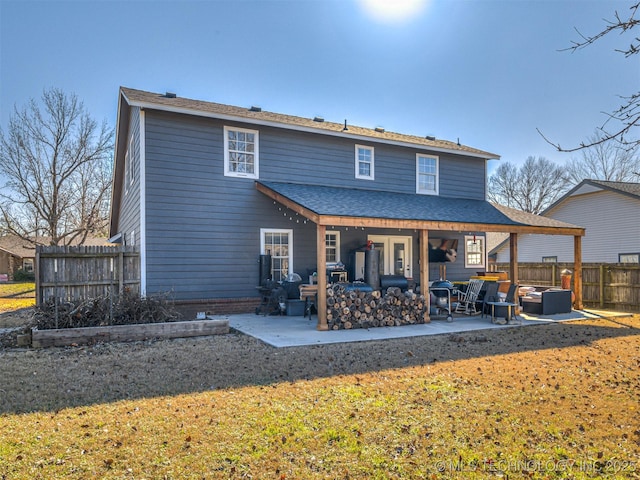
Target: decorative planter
(121,333)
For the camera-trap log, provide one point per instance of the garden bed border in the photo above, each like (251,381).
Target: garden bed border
(140,331)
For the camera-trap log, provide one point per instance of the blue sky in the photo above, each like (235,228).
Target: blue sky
(486,72)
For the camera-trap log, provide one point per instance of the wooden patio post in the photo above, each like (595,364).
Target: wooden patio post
(513,258)
(577,271)
(321,257)
(424,268)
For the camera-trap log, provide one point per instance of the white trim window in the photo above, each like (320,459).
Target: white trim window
(129,162)
(474,251)
(629,258)
(332,245)
(364,162)
(27,265)
(240,152)
(427,173)
(279,244)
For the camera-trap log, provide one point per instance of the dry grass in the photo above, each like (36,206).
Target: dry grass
(556,401)
(14,296)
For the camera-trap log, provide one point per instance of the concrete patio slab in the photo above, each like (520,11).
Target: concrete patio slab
(291,331)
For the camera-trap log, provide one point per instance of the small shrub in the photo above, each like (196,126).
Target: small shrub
(22,275)
(124,309)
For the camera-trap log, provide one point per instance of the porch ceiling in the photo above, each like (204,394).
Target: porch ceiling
(337,206)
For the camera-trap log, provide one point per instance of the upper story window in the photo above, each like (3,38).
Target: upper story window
(364,162)
(129,162)
(426,174)
(240,152)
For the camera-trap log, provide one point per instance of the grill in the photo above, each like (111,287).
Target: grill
(274,299)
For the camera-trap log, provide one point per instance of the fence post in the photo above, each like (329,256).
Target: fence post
(121,270)
(601,286)
(38,277)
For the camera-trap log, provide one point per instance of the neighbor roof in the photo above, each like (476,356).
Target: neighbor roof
(420,211)
(19,247)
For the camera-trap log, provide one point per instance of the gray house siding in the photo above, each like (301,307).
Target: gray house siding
(130,216)
(203,228)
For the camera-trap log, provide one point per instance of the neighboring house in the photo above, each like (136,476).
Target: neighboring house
(203,189)
(610,213)
(19,254)
(15,254)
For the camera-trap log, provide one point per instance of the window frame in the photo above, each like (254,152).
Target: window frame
(228,172)
(483,252)
(28,265)
(435,175)
(129,162)
(636,254)
(336,233)
(371,163)
(289,232)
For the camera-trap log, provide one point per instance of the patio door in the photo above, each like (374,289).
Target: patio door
(396,256)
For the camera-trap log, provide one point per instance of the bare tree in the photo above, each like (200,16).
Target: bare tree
(622,122)
(604,161)
(531,188)
(57,162)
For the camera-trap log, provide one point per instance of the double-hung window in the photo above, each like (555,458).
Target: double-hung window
(332,243)
(426,174)
(279,244)
(129,157)
(364,162)
(240,152)
(474,252)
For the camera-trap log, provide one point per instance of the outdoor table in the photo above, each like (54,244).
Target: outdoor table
(507,305)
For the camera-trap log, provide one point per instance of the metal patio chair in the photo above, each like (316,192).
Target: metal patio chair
(490,295)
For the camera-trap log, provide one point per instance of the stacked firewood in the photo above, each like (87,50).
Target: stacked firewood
(358,309)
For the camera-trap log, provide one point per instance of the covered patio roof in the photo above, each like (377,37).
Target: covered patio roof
(340,206)
(325,205)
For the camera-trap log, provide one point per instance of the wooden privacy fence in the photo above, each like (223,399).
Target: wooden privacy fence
(611,286)
(80,273)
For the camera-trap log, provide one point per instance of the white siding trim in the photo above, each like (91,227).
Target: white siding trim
(143,207)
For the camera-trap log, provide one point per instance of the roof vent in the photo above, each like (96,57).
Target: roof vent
(379,129)
(318,119)
(170,95)
(255,109)
(430,137)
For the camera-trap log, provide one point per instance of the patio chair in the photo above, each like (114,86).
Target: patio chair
(512,300)
(490,295)
(467,300)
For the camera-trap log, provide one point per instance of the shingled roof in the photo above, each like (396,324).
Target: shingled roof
(629,189)
(431,209)
(169,102)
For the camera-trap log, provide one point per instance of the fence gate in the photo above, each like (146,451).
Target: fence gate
(80,273)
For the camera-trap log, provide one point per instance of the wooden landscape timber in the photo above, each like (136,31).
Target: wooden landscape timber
(121,333)
(347,309)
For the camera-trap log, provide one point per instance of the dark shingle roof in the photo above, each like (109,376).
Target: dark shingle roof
(348,202)
(218,110)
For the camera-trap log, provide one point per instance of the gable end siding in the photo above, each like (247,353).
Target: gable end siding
(611,227)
